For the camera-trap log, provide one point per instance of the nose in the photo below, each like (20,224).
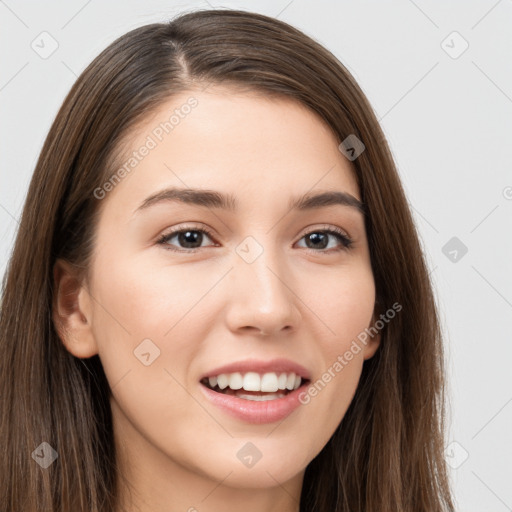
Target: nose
(262,298)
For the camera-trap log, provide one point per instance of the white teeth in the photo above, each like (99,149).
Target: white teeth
(290,381)
(222,381)
(236,381)
(269,382)
(252,382)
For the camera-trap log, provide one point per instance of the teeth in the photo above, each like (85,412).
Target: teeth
(251,381)
(236,381)
(222,381)
(269,382)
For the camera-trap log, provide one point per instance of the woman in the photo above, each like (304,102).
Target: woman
(217,298)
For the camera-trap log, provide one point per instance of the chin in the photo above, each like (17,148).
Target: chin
(257,462)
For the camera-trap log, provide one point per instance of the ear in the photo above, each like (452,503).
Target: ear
(374,337)
(72,311)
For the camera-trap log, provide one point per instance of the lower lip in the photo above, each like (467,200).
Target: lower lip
(251,411)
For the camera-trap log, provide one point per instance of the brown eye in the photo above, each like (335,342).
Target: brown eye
(319,240)
(188,239)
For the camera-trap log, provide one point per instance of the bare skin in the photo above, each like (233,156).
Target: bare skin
(207,306)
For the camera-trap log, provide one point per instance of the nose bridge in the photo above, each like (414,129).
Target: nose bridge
(263,297)
(258,262)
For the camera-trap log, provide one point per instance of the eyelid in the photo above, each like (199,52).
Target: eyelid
(325,227)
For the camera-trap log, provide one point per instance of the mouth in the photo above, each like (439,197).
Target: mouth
(255,391)
(258,387)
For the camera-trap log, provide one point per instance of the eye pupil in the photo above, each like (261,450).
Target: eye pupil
(322,238)
(190,237)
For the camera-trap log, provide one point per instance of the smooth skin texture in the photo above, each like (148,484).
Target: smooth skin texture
(207,307)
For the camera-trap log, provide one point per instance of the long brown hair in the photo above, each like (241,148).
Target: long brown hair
(387,453)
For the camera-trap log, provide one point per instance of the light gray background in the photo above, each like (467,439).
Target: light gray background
(448,119)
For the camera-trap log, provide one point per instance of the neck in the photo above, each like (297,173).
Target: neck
(177,489)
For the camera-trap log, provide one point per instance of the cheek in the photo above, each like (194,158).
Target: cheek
(140,321)
(147,300)
(345,304)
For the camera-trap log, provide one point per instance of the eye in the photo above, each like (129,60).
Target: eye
(191,239)
(318,240)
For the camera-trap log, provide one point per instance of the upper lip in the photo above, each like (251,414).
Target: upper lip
(259,366)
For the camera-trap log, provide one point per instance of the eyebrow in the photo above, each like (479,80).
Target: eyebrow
(228,202)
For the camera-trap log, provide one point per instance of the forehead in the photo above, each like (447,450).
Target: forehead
(248,145)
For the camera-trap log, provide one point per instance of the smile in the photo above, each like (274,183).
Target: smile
(253,386)
(257,395)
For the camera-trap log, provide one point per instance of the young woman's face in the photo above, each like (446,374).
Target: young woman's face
(239,288)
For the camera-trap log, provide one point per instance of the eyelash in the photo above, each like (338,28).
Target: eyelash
(346,242)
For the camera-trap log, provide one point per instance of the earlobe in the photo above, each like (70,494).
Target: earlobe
(372,346)
(72,312)
(374,339)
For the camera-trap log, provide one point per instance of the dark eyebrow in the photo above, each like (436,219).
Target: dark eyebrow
(208,198)
(214,199)
(329,198)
